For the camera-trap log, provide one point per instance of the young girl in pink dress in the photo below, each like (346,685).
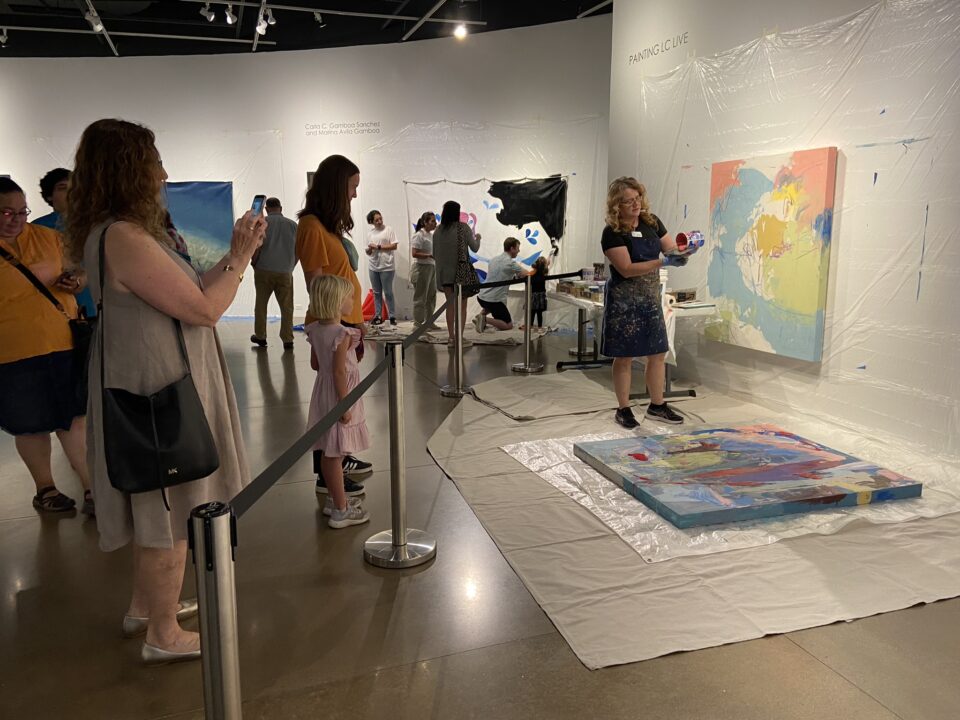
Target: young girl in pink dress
(334,358)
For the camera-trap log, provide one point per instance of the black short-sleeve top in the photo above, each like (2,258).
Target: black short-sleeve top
(643,244)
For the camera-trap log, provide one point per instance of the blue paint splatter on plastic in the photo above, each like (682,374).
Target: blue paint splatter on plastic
(532,259)
(923,250)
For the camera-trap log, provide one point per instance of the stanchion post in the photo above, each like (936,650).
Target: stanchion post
(457,389)
(213,537)
(399,547)
(527,366)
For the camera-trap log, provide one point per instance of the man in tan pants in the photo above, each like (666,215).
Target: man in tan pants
(273,275)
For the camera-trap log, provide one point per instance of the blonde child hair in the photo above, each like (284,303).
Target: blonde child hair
(327,293)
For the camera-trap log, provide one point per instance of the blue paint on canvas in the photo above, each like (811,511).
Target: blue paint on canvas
(720,475)
(203,213)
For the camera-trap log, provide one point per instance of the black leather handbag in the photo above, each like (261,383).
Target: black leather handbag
(81,329)
(154,441)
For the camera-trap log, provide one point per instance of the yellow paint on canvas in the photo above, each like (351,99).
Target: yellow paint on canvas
(792,195)
(793,280)
(768,236)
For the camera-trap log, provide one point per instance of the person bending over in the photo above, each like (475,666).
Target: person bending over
(494,300)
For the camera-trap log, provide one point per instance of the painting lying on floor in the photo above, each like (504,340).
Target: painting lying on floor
(729,474)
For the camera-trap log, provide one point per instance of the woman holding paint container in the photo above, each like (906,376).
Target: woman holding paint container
(637,245)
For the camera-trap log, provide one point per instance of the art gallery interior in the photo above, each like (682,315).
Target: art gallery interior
(814,145)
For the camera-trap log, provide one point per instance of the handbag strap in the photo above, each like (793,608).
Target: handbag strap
(35,281)
(101,263)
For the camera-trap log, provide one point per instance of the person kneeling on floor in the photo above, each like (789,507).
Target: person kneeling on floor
(494,300)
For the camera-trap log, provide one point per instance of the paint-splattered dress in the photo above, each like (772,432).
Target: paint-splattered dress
(633,324)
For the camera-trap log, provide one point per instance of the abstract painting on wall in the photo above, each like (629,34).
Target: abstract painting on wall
(771,219)
(203,213)
(730,474)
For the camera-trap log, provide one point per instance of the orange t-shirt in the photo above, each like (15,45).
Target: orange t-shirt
(320,249)
(30,325)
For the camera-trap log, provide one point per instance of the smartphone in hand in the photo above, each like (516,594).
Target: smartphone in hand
(256,208)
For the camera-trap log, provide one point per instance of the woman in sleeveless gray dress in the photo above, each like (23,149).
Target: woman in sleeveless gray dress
(115,198)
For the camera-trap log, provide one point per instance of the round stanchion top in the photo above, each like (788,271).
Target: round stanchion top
(211,510)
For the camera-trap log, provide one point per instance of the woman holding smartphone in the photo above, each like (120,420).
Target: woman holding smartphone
(382,249)
(115,201)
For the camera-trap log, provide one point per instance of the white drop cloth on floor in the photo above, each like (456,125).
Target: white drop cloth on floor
(610,605)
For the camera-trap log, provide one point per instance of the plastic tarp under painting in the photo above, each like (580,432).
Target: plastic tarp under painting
(880,86)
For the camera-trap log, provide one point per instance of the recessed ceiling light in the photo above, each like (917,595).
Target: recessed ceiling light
(460,32)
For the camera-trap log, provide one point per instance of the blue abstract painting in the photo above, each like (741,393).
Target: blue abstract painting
(730,474)
(203,213)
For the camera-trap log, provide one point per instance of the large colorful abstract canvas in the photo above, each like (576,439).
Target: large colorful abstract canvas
(721,475)
(203,213)
(771,220)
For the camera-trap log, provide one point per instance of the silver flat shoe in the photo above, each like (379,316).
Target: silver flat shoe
(136,626)
(156,656)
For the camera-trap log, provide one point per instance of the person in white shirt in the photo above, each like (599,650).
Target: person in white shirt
(423,274)
(494,300)
(381,248)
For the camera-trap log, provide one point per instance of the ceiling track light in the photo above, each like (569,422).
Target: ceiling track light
(261,25)
(271,20)
(231,18)
(94,20)
(319,18)
(3,37)
(206,12)
(460,32)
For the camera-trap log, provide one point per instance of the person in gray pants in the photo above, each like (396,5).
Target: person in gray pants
(273,275)
(423,274)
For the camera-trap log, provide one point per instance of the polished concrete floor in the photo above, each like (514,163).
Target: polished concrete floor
(324,635)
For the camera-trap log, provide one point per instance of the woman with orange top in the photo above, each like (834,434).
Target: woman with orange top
(323,248)
(38,377)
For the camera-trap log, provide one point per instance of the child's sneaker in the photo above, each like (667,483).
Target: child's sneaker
(328,505)
(480,322)
(351,515)
(664,413)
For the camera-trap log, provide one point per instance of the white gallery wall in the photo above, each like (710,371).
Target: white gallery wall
(503,105)
(696,82)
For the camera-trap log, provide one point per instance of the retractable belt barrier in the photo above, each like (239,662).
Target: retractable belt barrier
(213,527)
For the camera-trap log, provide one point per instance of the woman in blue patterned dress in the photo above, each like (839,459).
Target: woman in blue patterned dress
(633,324)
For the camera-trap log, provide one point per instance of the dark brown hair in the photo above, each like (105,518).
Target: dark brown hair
(327,197)
(114,177)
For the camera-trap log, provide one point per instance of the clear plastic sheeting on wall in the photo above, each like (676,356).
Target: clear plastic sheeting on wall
(656,539)
(883,86)
(463,152)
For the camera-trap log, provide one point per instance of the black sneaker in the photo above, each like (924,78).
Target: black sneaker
(259,342)
(354,467)
(625,417)
(377,321)
(350,488)
(393,321)
(664,413)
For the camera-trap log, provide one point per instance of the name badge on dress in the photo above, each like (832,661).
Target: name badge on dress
(636,233)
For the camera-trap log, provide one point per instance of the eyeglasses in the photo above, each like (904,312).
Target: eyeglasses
(9,214)
(628,203)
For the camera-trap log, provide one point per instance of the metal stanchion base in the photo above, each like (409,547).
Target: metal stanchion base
(527,369)
(455,392)
(577,353)
(379,549)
